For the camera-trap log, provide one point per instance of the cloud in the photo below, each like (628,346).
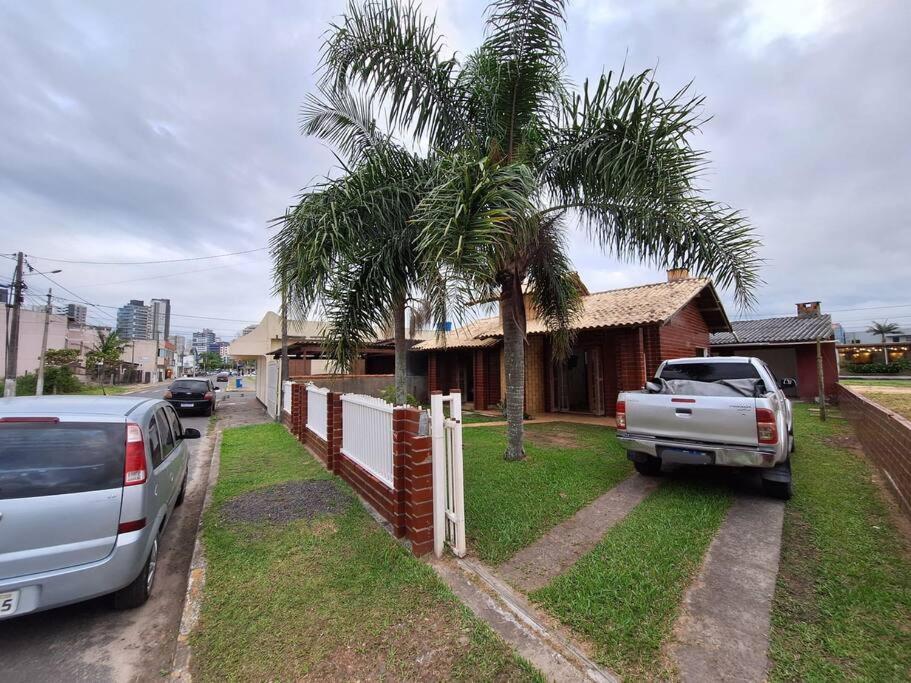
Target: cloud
(137,131)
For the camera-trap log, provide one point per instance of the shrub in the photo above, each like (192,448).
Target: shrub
(388,395)
(59,380)
(902,365)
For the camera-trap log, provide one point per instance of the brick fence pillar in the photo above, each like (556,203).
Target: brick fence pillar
(417,476)
(333,431)
(402,419)
(298,410)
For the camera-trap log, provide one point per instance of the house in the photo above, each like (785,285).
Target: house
(257,344)
(622,336)
(788,345)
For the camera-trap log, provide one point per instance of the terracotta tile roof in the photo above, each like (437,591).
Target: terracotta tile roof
(632,306)
(775,330)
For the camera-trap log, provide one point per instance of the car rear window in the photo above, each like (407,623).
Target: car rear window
(708,372)
(47,459)
(196,386)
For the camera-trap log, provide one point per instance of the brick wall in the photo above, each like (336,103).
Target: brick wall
(480,380)
(685,334)
(408,504)
(807,378)
(432,377)
(630,359)
(886,438)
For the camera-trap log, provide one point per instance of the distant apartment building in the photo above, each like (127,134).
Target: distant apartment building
(203,340)
(248,329)
(180,344)
(134,321)
(161,319)
(221,348)
(75,313)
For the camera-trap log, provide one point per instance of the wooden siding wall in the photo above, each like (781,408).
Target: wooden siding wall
(684,334)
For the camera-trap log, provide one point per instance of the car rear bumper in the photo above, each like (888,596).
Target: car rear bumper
(697,453)
(83,582)
(182,403)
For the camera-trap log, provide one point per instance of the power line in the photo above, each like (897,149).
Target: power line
(153,277)
(173,315)
(144,263)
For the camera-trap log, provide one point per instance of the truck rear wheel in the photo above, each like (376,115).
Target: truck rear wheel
(648,465)
(777,489)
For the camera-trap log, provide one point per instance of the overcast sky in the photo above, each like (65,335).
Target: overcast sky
(154,131)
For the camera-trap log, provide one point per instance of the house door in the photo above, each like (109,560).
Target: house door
(595,381)
(570,383)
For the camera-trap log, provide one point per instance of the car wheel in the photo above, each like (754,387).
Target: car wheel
(777,489)
(792,444)
(138,592)
(208,411)
(183,490)
(650,467)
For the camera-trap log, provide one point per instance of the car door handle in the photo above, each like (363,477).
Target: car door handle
(683,411)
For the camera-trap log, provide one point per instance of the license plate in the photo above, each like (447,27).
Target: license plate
(8,603)
(186,405)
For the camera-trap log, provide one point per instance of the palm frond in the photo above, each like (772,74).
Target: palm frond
(342,119)
(394,53)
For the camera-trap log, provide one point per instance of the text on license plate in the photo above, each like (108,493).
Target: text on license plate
(186,405)
(8,602)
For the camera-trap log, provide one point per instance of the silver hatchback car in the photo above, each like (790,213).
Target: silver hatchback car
(87,484)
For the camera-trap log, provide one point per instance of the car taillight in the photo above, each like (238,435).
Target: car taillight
(208,396)
(135,525)
(621,415)
(134,464)
(766,427)
(168,394)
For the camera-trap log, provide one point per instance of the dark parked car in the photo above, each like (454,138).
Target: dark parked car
(222,376)
(192,395)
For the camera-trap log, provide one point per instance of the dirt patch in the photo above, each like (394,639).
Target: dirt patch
(847,441)
(552,436)
(287,502)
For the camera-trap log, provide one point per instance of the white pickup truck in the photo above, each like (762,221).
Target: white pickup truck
(728,411)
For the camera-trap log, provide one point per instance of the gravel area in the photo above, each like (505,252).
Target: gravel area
(286,502)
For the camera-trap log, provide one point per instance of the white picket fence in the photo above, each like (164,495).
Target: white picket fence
(448,479)
(367,434)
(286,397)
(317,410)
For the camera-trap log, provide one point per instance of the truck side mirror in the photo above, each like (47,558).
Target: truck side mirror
(653,387)
(788,383)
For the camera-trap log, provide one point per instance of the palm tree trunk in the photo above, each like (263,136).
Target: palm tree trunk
(513,307)
(885,351)
(401,353)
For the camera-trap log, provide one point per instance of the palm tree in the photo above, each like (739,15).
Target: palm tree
(348,247)
(882,329)
(106,353)
(519,153)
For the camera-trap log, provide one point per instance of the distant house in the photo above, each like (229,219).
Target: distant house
(788,346)
(622,336)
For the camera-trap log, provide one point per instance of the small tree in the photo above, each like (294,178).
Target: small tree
(61,357)
(105,356)
(882,329)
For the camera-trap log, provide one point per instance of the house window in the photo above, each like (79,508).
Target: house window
(700,352)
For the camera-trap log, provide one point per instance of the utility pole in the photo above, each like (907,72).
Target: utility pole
(283,375)
(39,388)
(12,349)
(821,381)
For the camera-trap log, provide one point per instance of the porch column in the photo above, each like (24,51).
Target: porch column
(432,377)
(480,379)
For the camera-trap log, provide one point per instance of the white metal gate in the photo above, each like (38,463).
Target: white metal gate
(448,482)
(272,369)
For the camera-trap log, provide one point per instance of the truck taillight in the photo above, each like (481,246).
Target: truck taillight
(208,396)
(621,415)
(766,427)
(134,463)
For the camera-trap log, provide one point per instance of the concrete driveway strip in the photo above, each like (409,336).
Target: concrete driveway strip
(91,641)
(722,633)
(540,563)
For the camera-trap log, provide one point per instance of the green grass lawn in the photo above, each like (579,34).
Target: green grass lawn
(508,505)
(96,390)
(842,607)
(333,598)
(906,384)
(471,417)
(900,403)
(624,595)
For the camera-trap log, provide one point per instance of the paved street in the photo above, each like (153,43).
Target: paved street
(92,640)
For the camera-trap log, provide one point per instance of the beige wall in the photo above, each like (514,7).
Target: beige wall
(31,329)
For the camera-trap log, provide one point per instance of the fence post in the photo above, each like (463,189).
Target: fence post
(458,492)
(418,484)
(400,433)
(333,431)
(438,460)
(298,409)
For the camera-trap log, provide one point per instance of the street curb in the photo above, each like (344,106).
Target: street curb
(196,578)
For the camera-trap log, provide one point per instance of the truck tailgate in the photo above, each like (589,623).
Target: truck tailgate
(710,419)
